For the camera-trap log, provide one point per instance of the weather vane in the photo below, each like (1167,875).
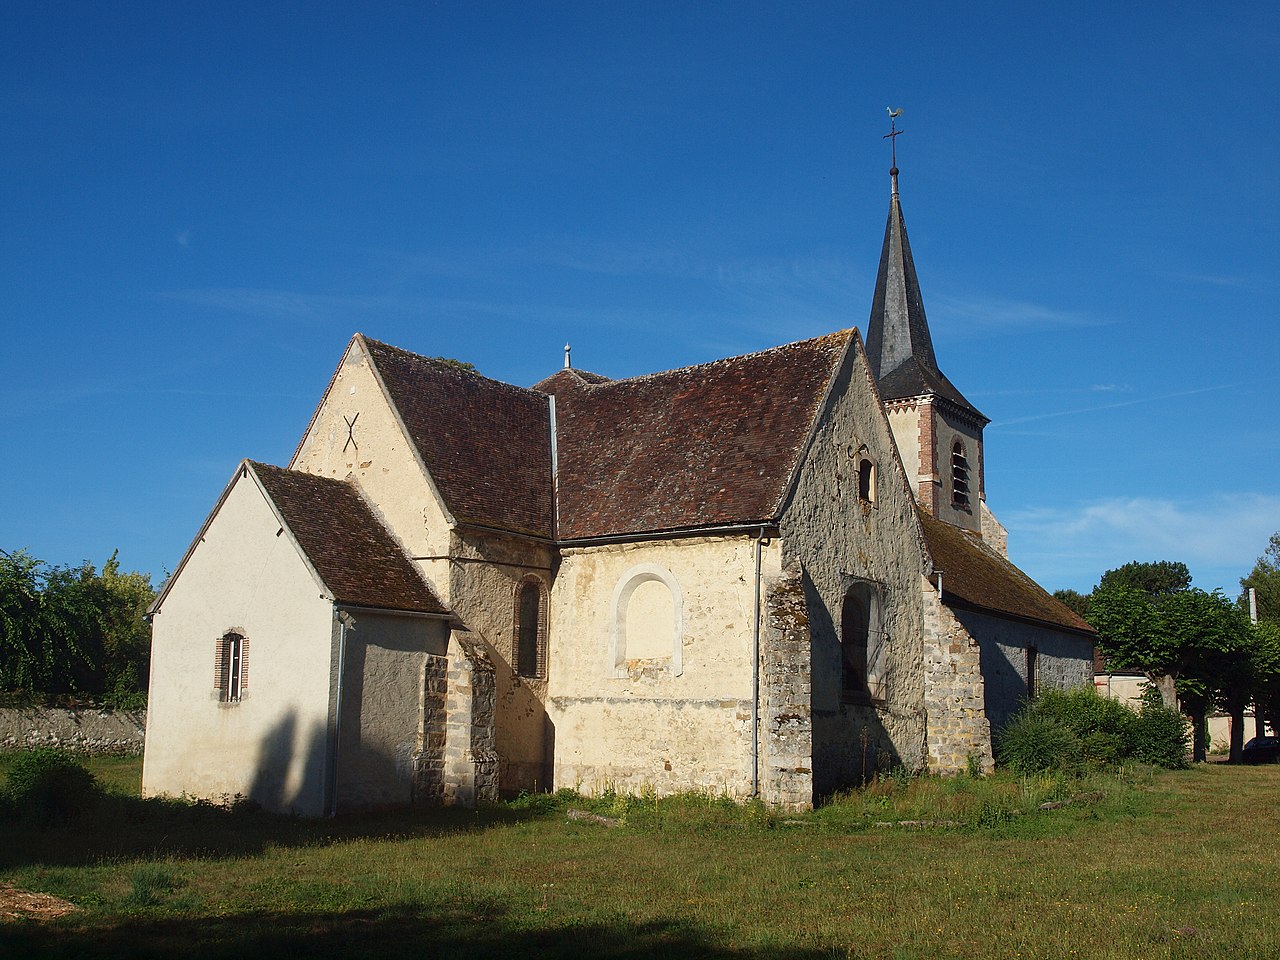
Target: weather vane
(893,135)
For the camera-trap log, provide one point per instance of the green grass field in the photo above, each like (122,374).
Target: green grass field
(1153,865)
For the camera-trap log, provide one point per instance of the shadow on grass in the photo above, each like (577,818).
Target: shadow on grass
(129,828)
(402,931)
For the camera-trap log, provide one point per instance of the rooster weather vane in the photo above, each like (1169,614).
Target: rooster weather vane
(893,135)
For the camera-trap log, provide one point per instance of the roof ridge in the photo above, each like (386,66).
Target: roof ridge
(445,366)
(845,333)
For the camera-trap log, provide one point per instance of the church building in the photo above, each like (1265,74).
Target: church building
(772,575)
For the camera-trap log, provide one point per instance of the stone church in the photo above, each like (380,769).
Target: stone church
(771,575)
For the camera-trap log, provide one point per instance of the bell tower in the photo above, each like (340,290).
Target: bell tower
(938,431)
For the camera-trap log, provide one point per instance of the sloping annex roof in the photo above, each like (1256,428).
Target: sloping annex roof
(354,555)
(976,577)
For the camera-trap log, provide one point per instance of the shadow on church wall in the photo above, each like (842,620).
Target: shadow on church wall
(850,742)
(289,772)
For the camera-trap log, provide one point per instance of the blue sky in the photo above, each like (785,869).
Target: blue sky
(202,202)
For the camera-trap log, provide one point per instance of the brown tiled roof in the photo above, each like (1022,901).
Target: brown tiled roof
(358,560)
(568,379)
(701,446)
(486,444)
(976,576)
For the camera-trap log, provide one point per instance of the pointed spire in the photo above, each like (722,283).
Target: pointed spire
(899,346)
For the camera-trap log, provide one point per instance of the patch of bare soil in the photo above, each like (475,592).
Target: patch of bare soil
(18,904)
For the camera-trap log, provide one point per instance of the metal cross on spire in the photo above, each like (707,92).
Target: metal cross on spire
(892,136)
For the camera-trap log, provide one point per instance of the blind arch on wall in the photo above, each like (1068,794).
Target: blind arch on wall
(623,624)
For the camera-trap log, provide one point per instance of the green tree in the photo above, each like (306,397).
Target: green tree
(52,636)
(1147,622)
(1080,603)
(1212,645)
(1267,665)
(1265,581)
(123,599)
(1157,578)
(72,631)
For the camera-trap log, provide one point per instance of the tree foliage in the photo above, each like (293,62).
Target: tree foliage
(1265,581)
(72,631)
(1151,620)
(1159,578)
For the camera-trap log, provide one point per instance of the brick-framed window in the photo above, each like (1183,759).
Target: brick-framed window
(531,627)
(231,667)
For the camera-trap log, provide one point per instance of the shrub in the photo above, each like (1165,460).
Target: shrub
(1161,737)
(1103,733)
(1107,728)
(1031,743)
(48,784)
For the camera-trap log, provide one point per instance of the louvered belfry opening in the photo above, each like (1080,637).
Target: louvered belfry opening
(959,478)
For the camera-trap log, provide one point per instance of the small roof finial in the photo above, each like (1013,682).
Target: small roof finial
(566,357)
(892,136)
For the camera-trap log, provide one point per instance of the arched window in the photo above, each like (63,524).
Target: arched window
(531,628)
(866,478)
(231,665)
(959,477)
(862,646)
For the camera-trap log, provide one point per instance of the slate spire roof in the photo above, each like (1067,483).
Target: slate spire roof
(899,347)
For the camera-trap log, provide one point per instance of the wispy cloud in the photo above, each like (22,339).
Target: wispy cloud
(183,238)
(1210,279)
(1060,391)
(273,303)
(1002,315)
(1218,537)
(1110,406)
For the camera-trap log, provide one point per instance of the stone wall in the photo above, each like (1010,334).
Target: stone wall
(634,721)
(954,691)
(786,735)
(428,770)
(1062,660)
(82,730)
(842,542)
(486,573)
(470,755)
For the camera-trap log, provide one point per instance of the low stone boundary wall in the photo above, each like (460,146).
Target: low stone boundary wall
(84,730)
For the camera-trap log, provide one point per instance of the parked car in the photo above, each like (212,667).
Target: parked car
(1262,750)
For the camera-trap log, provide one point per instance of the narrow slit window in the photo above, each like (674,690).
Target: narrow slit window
(866,480)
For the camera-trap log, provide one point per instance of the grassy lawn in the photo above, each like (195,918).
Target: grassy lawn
(1157,865)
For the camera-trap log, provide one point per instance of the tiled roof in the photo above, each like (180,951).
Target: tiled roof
(568,379)
(358,560)
(710,445)
(978,577)
(486,444)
